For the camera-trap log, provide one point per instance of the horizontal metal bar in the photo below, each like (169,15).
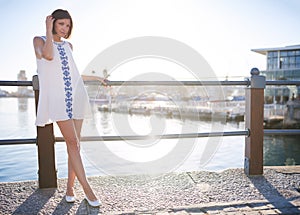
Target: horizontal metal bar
(166,136)
(283,82)
(165,83)
(282,132)
(15,83)
(18,141)
(172,83)
(132,137)
(193,83)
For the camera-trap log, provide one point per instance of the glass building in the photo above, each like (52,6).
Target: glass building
(283,63)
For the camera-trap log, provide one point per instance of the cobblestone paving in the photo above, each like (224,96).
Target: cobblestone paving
(227,192)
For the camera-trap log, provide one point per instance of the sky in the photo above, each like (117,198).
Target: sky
(222,31)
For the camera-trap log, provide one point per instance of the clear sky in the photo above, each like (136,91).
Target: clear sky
(222,31)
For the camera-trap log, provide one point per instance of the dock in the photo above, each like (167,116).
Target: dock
(227,192)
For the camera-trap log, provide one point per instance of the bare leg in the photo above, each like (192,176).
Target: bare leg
(71,179)
(71,172)
(68,131)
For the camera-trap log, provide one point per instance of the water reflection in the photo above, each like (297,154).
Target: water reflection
(105,121)
(22,104)
(281,150)
(17,121)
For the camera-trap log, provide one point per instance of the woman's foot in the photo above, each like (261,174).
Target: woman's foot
(94,203)
(92,199)
(70,195)
(70,199)
(70,192)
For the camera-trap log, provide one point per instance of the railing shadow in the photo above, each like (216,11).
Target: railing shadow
(273,196)
(84,208)
(64,208)
(35,202)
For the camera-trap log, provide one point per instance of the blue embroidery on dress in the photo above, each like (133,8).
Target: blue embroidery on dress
(67,80)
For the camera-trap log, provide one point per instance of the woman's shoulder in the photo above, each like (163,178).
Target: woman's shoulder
(39,39)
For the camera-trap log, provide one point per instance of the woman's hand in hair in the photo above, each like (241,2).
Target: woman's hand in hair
(49,24)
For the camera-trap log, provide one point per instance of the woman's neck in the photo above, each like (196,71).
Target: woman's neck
(56,38)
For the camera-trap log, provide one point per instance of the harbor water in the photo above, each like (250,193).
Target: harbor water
(20,162)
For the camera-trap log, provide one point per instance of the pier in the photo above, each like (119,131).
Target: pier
(252,189)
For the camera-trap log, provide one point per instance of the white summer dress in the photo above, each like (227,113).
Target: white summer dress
(62,92)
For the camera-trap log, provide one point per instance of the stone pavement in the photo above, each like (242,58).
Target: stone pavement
(237,207)
(227,192)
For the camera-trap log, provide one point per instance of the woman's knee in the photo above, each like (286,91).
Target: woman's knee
(72,143)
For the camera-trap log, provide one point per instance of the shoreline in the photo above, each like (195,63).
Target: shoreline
(201,192)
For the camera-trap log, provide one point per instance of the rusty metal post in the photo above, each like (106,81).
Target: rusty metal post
(253,164)
(45,144)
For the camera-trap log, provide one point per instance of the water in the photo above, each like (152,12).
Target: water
(20,162)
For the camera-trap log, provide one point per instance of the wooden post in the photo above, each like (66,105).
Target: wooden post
(253,164)
(45,144)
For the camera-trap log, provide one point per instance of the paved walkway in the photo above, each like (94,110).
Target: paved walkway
(227,192)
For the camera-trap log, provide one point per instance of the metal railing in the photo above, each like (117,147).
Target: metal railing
(268,132)
(254,132)
(166,83)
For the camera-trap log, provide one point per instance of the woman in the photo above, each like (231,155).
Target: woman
(63,98)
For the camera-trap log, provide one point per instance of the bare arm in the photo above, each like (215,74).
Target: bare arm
(44,49)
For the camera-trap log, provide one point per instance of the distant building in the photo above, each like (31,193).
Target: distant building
(283,63)
(22,77)
(23,91)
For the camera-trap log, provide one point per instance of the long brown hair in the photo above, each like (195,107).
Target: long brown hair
(62,14)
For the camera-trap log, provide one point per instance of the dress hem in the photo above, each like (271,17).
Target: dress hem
(57,120)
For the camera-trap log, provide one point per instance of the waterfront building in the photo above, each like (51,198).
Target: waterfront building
(283,63)
(23,91)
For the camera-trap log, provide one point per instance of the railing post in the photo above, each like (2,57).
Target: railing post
(254,122)
(45,144)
